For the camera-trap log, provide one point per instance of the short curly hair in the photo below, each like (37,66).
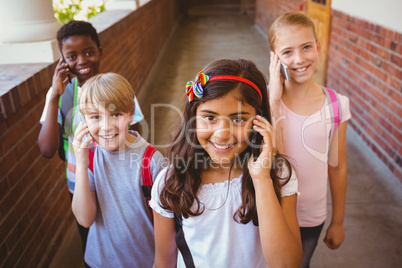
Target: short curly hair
(77,28)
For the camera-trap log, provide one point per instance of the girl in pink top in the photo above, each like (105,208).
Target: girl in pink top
(303,122)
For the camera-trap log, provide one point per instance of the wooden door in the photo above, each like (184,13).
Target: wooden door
(320,13)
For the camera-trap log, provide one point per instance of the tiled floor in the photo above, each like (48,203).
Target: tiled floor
(374,199)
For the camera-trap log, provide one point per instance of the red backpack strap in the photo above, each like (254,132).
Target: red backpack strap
(91,154)
(335,110)
(146,175)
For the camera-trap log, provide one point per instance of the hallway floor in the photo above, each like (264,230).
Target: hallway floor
(373,218)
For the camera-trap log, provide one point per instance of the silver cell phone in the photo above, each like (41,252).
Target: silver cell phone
(285,71)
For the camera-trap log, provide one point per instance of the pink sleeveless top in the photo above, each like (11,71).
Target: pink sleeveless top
(306,142)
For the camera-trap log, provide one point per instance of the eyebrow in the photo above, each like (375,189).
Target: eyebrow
(232,114)
(302,45)
(85,49)
(92,111)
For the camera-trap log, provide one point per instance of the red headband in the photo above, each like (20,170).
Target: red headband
(237,78)
(195,88)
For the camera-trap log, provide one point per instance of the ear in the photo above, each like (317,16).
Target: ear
(100,51)
(130,119)
(318,46)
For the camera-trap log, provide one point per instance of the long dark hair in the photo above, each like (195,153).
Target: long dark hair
(183,180)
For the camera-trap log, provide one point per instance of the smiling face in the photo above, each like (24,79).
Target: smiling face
(82,56)
(109,129)
(297,47)
(223,127)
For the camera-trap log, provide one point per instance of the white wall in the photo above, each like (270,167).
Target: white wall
(386,13)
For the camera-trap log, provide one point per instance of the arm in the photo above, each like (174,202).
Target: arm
(275,95)
(279,232)
(165,245)
(337,180)
(48,139)
(84,200)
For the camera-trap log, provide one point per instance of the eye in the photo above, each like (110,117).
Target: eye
(71,57)
(209,118)
(286,53)
(95,117)
(238,120)
(116,114)
(90,53)
(307,47)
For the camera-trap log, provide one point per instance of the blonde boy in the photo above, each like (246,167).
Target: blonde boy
(109,199)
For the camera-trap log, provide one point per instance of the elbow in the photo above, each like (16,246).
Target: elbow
(84,218)
(46,149)
(47,153)
(293,260)
(84,221)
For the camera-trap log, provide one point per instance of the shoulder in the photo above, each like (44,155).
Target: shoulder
(344,107)
(155,191)
(291,186)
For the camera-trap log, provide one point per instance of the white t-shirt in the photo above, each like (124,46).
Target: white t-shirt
(214,238)
(306,142)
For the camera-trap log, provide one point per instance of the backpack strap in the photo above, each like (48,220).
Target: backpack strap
(181,242)
(67,101)
(333,101)
(146,175)
(91,155)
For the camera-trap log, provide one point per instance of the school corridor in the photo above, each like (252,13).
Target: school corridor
(373,218)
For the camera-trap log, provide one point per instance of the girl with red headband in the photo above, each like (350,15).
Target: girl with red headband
(224,207)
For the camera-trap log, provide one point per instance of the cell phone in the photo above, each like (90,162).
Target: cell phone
(285,71)
(68,72)
(256,140)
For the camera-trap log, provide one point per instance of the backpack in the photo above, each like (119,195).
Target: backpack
(332,100)
(145,171)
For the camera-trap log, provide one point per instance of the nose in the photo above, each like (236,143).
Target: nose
(299,58)
(223,131)
(106,124)
(81,59)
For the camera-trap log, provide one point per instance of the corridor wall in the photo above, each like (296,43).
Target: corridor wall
(35,213)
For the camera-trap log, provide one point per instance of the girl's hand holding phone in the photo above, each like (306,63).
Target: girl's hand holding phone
(81,143)
(260,169)
(60,78)
(275,79)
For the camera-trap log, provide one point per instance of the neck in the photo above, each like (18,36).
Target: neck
(130,138)
(217,173)
(305,89)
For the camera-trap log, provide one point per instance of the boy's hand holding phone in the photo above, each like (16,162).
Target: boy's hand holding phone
(60,78)
(81,142)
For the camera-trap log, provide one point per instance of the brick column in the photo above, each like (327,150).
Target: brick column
(27,31)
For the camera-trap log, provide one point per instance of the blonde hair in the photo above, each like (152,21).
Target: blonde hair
(288,19)
(110,90)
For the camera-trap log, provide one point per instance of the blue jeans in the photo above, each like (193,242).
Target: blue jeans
(309,237)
